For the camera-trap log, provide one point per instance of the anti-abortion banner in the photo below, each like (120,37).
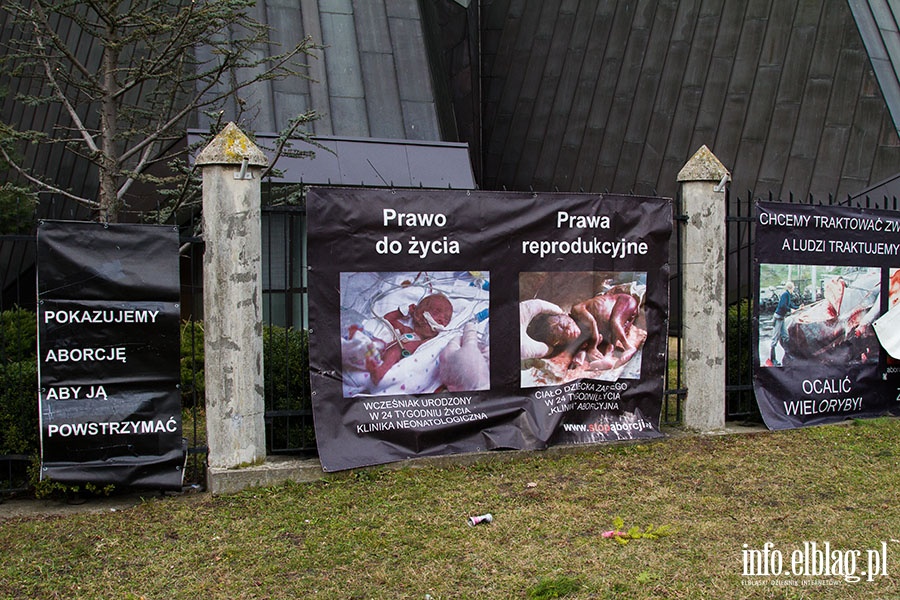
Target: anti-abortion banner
(826,274)
(108,349)
(454,321)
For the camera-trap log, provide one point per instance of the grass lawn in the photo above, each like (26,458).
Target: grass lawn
(402,533)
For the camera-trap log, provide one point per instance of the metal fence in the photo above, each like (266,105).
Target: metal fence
(192,398)
(288,407)
(675,393)
(17,367)
(288,411)
(740,403)
(288,414)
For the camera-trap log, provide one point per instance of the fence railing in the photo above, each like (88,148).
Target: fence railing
(673,398)
(288,407)
(740,403)
(288,412)
(192,415)
(17,290)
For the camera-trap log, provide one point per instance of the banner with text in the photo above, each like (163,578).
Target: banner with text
(454,321)
(108,348)
(824,275)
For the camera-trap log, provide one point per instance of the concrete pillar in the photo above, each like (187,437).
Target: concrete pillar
(232,300)
(703,287)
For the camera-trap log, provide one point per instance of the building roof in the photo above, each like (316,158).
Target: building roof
(617,95)
(371,162)
(371,79)
(877,21)
(883,194)
(603,95)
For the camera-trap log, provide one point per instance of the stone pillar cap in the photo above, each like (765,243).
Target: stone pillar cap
(232,147)
(704,166)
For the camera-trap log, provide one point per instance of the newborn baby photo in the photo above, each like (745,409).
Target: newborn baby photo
(414,332)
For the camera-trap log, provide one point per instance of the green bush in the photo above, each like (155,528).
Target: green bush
(739,322)
(739,347)
(19,408)
(193,386)
(17,209)
(18,382)
(286,365)
(18,335)
(285,360)
(285,377)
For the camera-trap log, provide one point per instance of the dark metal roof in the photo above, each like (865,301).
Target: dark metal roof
(607,94)
(882,194)
(373,78)
(618,95)
(62,168)
(373,162)
(877,21)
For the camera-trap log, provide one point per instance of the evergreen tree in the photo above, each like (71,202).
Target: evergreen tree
(153,66)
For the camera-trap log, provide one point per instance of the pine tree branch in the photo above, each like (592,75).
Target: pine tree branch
(42,24)
(43,184)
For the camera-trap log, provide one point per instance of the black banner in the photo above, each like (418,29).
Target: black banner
(824,276)
(108,350)
(454,321)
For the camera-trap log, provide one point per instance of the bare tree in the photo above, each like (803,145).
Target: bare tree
(155,65)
